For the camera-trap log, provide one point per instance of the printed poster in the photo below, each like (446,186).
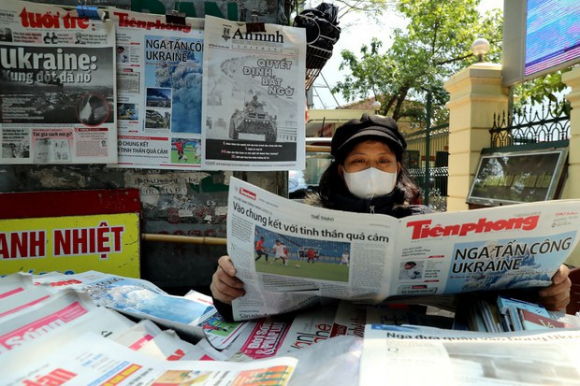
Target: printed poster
(253,97)
(57,86)
(159,73)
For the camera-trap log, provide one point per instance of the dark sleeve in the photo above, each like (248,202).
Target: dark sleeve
(410,210)
(225,310)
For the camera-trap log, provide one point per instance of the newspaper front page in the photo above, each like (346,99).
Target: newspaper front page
(159,75)
(302,250)
(92,359)
(57,86)
(253,97)
(443,357)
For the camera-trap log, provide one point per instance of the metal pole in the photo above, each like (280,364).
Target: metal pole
(427,147)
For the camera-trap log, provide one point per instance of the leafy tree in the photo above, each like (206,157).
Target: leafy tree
(435,45)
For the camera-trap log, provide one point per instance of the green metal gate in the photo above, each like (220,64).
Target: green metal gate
(427,161)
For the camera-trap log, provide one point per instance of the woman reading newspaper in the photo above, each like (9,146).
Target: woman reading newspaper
(367,176)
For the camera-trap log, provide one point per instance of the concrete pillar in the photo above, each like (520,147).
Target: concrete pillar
(476,93)
(572,185)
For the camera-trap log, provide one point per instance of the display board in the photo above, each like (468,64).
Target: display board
(540,36)
(520,176)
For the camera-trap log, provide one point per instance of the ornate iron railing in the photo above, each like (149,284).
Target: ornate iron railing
(531,125)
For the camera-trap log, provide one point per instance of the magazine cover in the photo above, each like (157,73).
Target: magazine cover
(57,86)
(253,104)
(159,72)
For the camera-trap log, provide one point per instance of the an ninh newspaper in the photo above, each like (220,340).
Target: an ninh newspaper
(310,252)
(57,86)
(159,75)
(253,101)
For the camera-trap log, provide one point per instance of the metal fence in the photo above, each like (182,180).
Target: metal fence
(530,125)
(427,160)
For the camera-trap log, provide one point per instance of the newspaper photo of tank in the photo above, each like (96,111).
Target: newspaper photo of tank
(253,119)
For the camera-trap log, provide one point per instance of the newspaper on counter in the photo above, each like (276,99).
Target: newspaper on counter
(14,284)
(193,315)
(23,300)
(32,322)
(102,321)
(57,86)
(253,101)
(419,355)
(514,246)
(280,335)
(159,75)
(92,359)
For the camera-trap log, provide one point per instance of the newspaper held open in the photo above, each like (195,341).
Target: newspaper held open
(513,246)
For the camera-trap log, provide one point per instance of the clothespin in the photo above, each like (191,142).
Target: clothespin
(255,26)
(175,16)
(90,11)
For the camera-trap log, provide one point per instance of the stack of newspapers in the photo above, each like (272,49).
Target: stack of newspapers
(505,314)
(97,328)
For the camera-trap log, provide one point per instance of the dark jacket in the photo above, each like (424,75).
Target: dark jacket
(379,205)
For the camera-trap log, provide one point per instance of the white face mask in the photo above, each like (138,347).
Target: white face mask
(370,183)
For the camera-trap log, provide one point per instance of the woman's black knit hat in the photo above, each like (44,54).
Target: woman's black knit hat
(368,126)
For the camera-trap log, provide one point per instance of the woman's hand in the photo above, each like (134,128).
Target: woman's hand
(225,286)
(557,296)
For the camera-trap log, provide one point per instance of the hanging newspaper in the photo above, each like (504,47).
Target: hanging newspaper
(267,11)
(159,72)
(253,97)
(57,86)
(515,246)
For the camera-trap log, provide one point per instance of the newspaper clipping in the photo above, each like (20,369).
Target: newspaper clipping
(253,96)
(57,86)
(159,75)
(288,254)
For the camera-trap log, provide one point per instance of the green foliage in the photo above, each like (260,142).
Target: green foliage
(435,45)
(539,90)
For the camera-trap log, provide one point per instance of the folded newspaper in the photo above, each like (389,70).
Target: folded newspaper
(446,357)
(192,315)
(94,360)
(290,255)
